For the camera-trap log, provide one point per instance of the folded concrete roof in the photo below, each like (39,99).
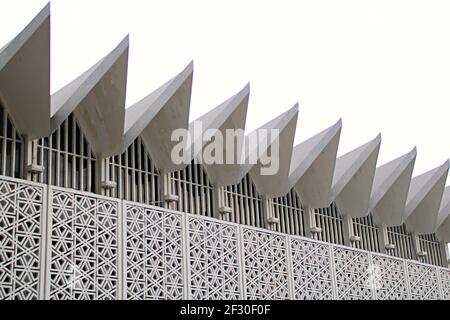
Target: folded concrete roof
(353,179)
(312,167)
(424,200)
(25,77)
(390,190)
(277,184)
(97,99)
(158,115)
(443,222)
(229,115)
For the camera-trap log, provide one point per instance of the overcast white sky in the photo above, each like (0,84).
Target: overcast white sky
(381,66)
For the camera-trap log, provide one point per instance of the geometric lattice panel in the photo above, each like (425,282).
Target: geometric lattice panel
(213,260)
(83,247)
(311,269)
(265,266)
(153,253)
(353,274)
(423,281)
(22,213)
(445,283)
(389,278)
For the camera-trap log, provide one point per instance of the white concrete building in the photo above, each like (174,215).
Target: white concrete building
(80,148)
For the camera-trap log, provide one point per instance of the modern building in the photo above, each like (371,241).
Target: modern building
(93,207)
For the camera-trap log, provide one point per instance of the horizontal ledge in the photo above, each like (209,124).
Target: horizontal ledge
(171,198)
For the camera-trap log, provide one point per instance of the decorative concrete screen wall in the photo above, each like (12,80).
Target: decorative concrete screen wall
(82,246)
(153,253)
(265,264)
(213,259)
(22,239)
(62,244)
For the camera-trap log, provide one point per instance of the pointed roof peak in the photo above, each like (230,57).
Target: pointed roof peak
(335,127)
(244,92)
(25,77)
(139,115)
(377,138)
(361,149)
(430,173)
(91,76)
(190,67)
(277,184)
(295,107)
(46,8)
(220,113)
(123,45)
(329,131)
(245,89)
(8,51)
(281,120)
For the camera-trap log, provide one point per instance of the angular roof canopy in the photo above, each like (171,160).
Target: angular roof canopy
(231,114)
(353,179)
(275,185)
(390,190)
(312,167)
(424,200)
(25,77)
(158,115)
(97,98)
(443,223)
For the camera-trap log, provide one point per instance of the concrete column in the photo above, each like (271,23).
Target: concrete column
(27,158)
(445,254)
(383,240)
(103,184)
(349,234)
(420,253)
(311,228)
(270,221)
(107,184)
(169,198)
(99,173)
(220,208)
(31,169)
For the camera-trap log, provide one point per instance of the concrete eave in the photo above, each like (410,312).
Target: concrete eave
(312,167)
(443,222)
(158,115)
(274,185)
(390,190)
(231,114)
(25,77)
(353,179)
(97,99)
(424,200)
